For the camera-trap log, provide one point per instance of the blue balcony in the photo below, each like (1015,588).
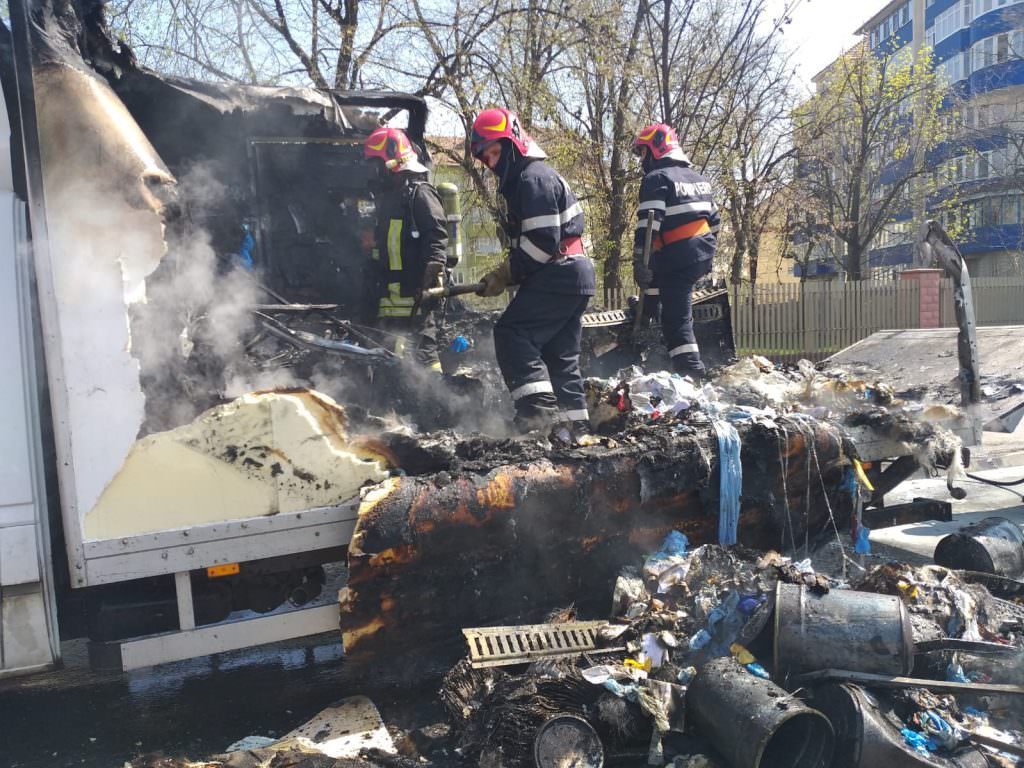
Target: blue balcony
(997,76)
(892,256)
(992,238)
(895,41)
(956,43)
(816,269)
(992,23)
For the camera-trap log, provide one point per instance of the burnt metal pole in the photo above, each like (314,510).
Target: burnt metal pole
(934,245)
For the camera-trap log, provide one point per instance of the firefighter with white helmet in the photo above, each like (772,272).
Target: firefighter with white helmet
(685,227)
(537,339)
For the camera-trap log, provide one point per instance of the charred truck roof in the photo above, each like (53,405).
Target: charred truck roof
(285,161)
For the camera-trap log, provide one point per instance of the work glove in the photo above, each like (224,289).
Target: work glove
(496,281)
(642,274)
(431,278)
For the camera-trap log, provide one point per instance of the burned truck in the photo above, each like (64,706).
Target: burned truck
(192,246)
(198,278)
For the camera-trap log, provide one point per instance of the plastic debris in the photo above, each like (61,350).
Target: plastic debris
(955,673)
(643,666)
(918,741)
(459,344)
(863,545)
(622,691)
(750,603)
(669,564)
(941,735)
(804,566)
(671,554)
(849,483)
(251,742)
(597,675)
(700,640)
(757,670)
(654,650)
(686,674)
(245,249)
(673,392)
(749,662)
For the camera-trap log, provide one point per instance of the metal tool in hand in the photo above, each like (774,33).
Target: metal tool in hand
(648,236)
(456,289)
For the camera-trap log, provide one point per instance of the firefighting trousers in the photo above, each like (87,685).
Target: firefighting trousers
(418,332)
(676,294)
(537,343)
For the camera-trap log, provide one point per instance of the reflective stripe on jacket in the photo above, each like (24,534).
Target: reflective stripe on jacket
(545,229)
(681,199)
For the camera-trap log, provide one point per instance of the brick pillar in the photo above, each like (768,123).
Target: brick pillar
(928,281)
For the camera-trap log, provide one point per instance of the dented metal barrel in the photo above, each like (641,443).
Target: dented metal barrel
(866,737)
(844,629)
(754,723)
(994,545)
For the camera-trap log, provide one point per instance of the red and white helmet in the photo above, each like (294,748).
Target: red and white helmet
(498,123)
(393,147)
(661,141)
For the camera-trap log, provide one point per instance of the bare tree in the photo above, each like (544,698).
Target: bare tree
(755,163)
(583,76)
(259,42)
(596,117)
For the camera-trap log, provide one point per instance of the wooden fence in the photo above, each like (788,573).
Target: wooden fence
(815,319)
(997,301)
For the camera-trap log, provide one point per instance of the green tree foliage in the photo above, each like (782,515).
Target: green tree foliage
(865,143)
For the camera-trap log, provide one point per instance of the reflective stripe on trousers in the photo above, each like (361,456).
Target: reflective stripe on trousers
(394,304)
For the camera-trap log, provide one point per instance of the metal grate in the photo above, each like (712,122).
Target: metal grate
(501,646)
(701,314)
(605,318)
(707,313)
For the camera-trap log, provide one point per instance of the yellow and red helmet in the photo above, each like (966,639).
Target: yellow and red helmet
(499,123)
(393,147)
(661,141)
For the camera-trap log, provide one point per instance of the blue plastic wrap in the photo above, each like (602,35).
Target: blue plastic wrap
(731,482)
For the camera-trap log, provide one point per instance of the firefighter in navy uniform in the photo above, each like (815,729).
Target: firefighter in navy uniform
(683,246)
(537,339)
(411,242)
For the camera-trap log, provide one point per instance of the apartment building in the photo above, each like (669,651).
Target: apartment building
(978,46)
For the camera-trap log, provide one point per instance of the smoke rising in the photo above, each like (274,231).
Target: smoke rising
(192,328)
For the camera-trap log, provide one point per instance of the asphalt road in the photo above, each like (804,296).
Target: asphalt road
(76,717)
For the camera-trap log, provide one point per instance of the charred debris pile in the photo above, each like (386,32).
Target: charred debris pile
(507,530)
(727,657)
(725,654)
(732,657)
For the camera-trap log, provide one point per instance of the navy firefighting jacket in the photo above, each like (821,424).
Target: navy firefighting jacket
(680,197)
(545,224)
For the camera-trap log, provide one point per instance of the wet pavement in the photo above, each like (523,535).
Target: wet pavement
(76,717)
(915,542)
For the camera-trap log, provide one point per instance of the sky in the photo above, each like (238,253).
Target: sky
(822,29)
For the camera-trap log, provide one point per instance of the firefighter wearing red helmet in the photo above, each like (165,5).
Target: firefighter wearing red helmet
(411,240)
(683,247)
(537,339)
